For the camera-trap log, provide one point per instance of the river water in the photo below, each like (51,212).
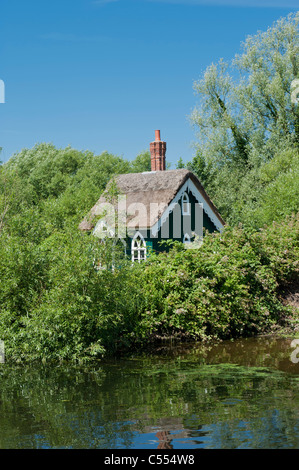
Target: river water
(235,394)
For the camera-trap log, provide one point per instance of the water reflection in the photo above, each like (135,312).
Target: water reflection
(241,394)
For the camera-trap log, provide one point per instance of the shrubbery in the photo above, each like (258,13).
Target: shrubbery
(53,304)
(56,305)
(227,288)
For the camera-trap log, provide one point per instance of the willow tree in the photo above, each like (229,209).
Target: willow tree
(246,109)
(245,105)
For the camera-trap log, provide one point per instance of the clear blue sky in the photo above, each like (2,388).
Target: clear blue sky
(103,75)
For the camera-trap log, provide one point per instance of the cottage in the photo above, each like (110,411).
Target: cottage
(144,209)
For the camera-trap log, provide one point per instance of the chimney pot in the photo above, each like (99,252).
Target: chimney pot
(158,151)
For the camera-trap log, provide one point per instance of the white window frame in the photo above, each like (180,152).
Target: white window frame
(185,200)
(98,265)
(141,247)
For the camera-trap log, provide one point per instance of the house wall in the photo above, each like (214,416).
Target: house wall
(154,242)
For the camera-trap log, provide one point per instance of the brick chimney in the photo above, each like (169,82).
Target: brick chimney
(158,151)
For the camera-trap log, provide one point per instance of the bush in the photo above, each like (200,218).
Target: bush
(54,304)
(225,289)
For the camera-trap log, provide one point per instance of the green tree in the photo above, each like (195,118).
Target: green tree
(246,116)
(180,164)
(247,104)
(142,162)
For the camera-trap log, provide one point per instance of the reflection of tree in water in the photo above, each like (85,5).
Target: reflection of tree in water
(263,351)
(175,399)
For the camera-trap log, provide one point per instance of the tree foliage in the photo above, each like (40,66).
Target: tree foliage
(55,301)
(50,292)
(55,304)
(246,118)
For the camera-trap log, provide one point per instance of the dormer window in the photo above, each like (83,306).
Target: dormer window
(185,204)
(138,248)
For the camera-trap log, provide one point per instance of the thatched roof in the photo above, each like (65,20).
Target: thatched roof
(158,187)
